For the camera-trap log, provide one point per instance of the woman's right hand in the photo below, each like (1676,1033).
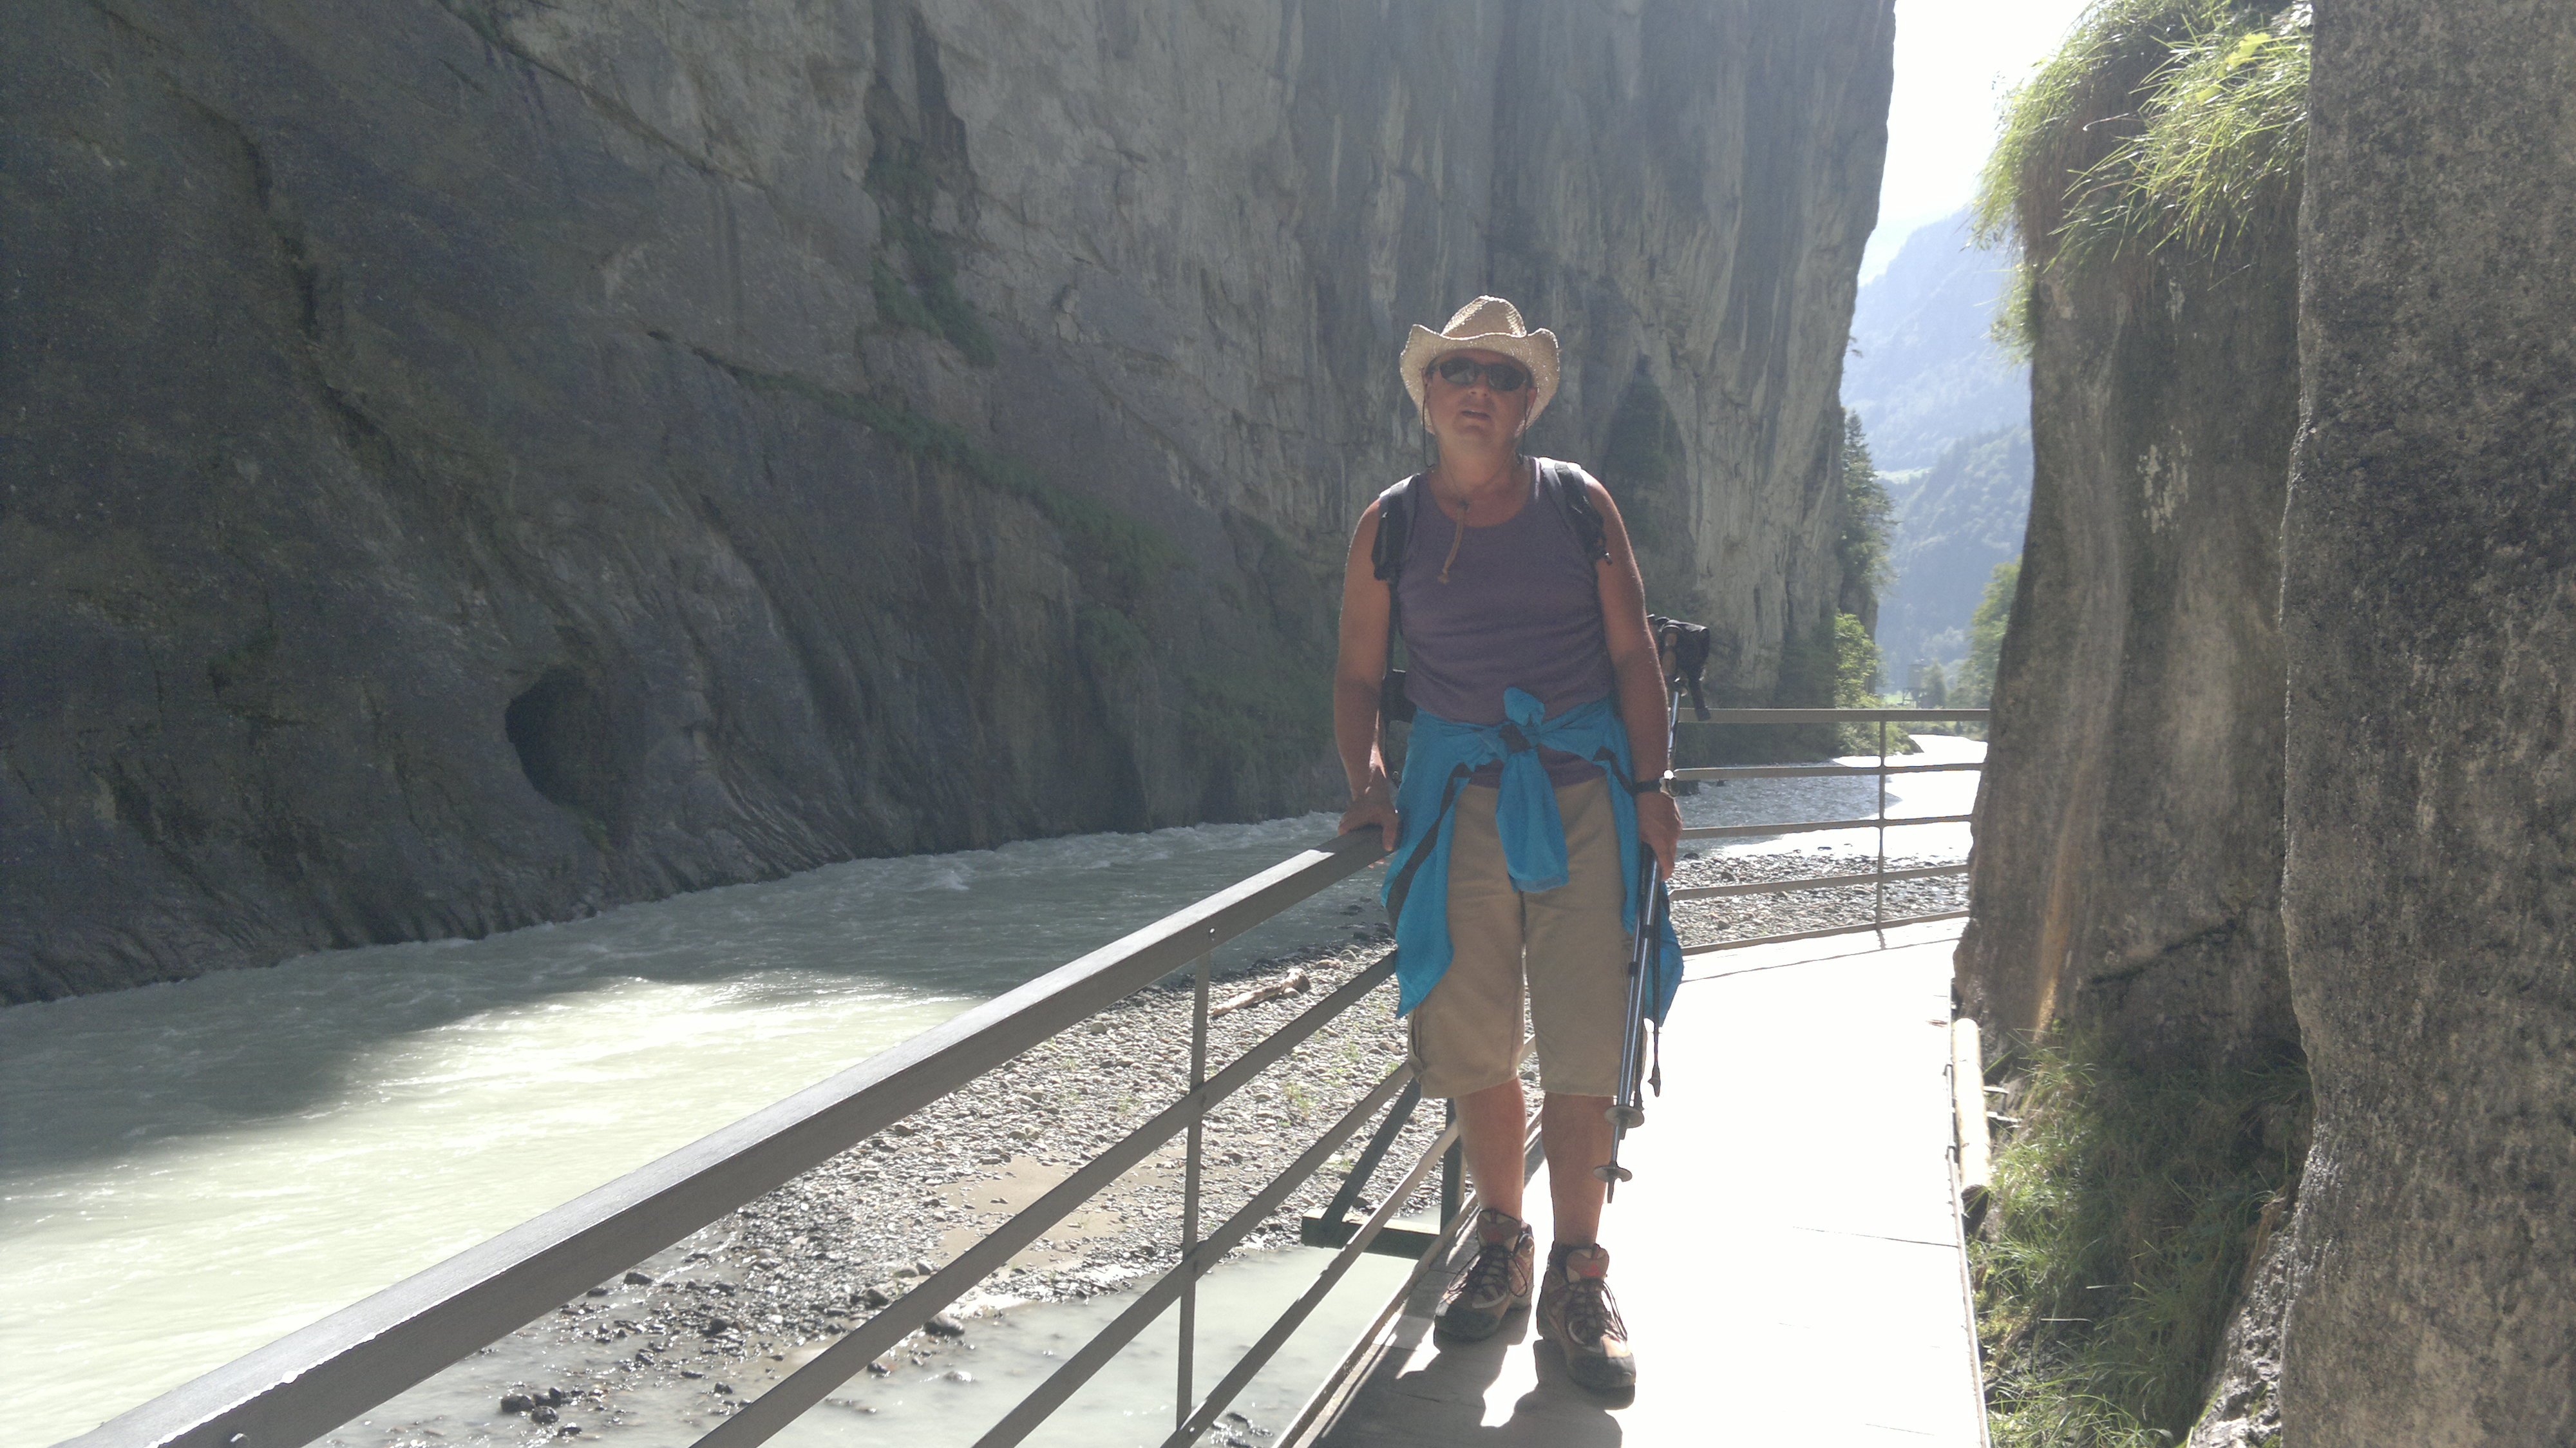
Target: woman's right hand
(1374,808)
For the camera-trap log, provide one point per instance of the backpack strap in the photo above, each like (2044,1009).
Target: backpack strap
(1386,557)
(1394,527)
(1574,504)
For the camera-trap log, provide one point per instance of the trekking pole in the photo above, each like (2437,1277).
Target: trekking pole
(1628,1109)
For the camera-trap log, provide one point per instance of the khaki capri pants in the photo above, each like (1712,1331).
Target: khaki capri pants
(1564,948)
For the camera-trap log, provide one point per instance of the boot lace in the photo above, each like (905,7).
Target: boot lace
(1590,1313)
(1490,1275)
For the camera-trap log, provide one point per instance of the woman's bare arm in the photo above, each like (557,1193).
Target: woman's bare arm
(1640,670)
(1357,670)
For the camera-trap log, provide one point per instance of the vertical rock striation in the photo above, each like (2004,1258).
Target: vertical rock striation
(2429,618)
(2126,890)
(470,463)
(2128,844)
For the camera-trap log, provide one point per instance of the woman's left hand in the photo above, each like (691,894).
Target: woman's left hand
(1659,826)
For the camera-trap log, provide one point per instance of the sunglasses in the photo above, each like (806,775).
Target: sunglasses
(1500,376)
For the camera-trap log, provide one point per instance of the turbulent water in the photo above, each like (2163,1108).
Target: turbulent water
(188,1171)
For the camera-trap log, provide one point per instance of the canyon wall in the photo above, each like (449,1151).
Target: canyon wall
(2343,832)
(2125,892)
(473,463)
(2128,838)
(2429,619)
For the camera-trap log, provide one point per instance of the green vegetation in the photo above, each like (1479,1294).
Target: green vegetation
(1975,686)
(1241,716)
(1110,640)
(1856,666)
(1845,664)
(927,300)
(1868,518)
(1963,515)
(2226,135)
(2127,1207)
(1119,554)
(593,828)
(2159,123)
(895,300)
(1837,668)
(1809,669)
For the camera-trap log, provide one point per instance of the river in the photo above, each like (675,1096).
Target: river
(188,1171)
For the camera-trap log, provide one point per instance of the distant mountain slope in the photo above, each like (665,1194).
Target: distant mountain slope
(1948,420)
(1954,522)
(1924,372)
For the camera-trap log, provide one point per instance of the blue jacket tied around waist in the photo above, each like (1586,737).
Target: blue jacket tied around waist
(1436,765)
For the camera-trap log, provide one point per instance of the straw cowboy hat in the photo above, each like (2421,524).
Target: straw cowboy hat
(1487,324)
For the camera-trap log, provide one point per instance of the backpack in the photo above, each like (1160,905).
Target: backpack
(1563,487)
(1683,647)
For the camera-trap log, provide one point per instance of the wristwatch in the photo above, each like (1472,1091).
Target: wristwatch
(1660,784)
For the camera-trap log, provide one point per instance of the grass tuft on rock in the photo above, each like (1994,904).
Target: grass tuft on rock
(2128,1205)
(2159,123)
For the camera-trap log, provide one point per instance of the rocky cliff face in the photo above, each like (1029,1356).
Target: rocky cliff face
(2429,616)
(2126,886)
(468,464)
(2128,844)
(2419,790)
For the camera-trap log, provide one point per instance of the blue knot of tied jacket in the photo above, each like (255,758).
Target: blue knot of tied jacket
(1442,754)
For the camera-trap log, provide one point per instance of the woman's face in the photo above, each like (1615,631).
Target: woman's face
(1475,413)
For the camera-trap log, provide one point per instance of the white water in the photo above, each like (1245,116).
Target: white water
(189,1171)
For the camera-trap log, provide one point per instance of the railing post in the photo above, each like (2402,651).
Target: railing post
(1878,890)
(1184,1398)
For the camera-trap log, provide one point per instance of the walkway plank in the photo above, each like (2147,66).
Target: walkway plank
(1788,1257)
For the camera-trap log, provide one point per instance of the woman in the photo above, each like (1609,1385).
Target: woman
(1534,775)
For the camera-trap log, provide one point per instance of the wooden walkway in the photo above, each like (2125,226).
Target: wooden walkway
(1788,1257)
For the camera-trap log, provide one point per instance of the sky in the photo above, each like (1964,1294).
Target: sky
(1955,60)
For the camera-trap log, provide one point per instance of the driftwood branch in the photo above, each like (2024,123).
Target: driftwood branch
(1294,983)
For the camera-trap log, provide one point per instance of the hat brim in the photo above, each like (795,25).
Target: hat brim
(1536,351)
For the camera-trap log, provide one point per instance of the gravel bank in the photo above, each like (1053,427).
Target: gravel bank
(701,1326)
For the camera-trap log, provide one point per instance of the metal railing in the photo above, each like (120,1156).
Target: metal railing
(312,1381)
(307,1383)
(1878,879)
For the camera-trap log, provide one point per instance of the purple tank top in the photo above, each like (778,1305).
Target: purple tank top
(1521,608)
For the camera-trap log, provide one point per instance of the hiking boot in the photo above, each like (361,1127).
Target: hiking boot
(1576,1310)
(1497,1282)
